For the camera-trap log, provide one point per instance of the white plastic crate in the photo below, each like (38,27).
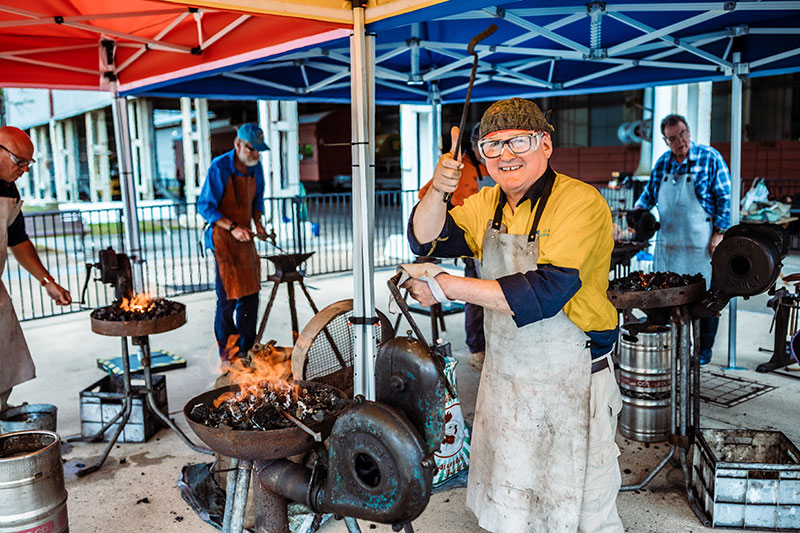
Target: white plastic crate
(747,479)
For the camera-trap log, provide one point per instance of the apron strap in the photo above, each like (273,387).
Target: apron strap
(550,179)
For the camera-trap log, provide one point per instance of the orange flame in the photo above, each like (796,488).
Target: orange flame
(270,368)
(141,303)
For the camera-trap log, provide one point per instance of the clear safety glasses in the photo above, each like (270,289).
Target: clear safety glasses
(491,149)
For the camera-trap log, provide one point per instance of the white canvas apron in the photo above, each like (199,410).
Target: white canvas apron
(16,365)
(531,431)
(686,228)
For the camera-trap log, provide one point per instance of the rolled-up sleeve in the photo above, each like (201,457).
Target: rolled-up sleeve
(451,241)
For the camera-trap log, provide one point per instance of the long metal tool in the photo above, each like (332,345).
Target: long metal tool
(438,357)
(470,50)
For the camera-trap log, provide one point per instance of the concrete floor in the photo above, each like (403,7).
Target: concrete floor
(136,489)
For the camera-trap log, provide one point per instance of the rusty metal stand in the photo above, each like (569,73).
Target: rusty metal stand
(685,404)
(286,272)
(125,412)
(144,343)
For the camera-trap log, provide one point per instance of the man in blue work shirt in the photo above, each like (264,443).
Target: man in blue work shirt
(691,186)
(232,198)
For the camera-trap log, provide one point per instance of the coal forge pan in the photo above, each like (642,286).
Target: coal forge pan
(139,328)
(261,445)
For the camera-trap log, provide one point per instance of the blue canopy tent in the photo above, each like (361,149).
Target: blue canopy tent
(542,48)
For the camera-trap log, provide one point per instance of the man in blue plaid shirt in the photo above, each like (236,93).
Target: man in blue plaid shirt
(691,186)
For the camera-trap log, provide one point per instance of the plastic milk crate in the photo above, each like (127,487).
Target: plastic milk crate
(747,479)
(101,402)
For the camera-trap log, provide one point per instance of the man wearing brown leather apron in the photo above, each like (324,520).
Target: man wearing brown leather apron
(543,455)
(232,202)
(16,364)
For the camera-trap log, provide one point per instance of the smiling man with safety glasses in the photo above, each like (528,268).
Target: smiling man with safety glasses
(543,456)
(16,364)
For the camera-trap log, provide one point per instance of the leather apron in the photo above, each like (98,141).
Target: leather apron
(16,364)
(531,433)
(238,263)
(686,228)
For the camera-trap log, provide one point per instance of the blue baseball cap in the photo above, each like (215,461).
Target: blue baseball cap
(251,133)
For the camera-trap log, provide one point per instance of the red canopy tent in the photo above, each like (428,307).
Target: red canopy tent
(73,44)
(99,44)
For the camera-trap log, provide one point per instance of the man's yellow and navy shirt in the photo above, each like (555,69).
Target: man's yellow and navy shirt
(575,244)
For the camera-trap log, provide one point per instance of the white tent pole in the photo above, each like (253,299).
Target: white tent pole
(736,190)
(362,52)
(122,134)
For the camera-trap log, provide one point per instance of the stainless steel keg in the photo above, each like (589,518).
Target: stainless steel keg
(645,382)
(32,491)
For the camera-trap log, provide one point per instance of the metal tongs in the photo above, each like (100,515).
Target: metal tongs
(437,351)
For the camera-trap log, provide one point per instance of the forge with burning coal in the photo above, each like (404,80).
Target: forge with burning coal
(640,281)
(139,307)
(265,406)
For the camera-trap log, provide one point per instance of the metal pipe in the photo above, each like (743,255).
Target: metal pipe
(240,496)
(736,189)
(230,490)
(133,245)
(271,511)
(144,343)
(352,525)
(126,380)
(685,349)
(652,474)
(690,495)
(362,53)
(673,386)
(288,479)
(696,377)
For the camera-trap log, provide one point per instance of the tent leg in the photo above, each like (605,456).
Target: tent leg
(133,247)
(736,191)
(362,53)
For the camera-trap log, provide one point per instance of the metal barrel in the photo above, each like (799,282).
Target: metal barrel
(29,417)
(645,364)
(32,491)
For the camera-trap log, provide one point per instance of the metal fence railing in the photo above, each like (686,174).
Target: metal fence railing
(175,263)
(171,241)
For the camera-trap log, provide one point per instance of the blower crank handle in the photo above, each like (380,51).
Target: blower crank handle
(437,357)
(470,50)
(89,267)
(403,305)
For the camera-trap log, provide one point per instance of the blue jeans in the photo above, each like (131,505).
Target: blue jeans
(245,311)
(708,330)
(473,315)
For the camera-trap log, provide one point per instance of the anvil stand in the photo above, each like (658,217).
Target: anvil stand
(785,323)
(685,404)
(286,272)
(144,343)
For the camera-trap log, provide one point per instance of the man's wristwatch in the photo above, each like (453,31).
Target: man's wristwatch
(47,279)
(233,226)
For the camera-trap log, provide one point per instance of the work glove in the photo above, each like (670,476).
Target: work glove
(427,272)
(643,223)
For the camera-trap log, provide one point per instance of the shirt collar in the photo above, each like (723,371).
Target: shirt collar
(8,189)
(232,162)
(691,157)
(535,191)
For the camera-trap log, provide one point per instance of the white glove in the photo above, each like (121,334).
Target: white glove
(427,272)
